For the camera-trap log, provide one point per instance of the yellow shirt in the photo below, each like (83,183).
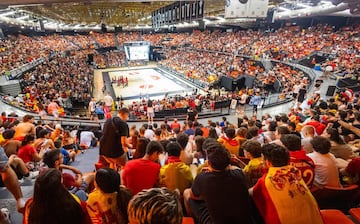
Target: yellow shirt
(255,163)
(102,208)
(176,175)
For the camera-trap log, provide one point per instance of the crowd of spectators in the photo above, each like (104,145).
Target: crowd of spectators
(253,162)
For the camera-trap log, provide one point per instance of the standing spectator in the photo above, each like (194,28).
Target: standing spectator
(92,109)
(326,172)
(140,174)
(231,203)
(281,187)
(191,115)
(150,112)
(256,101)
(113,143)
(108,100)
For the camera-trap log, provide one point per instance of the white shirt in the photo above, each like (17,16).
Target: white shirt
(108,100)
(86,137)
(149,134)
(243,98)
(326,172)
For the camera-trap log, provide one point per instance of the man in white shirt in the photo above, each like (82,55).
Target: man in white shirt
(91,108)
(86,137)
(326,172)
(108,100)
(149,133)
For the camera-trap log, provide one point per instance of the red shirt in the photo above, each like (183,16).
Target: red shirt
(175,125)
(140,174)
(26,153)
(305,164)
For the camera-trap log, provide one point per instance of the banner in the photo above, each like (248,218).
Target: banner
(246,8)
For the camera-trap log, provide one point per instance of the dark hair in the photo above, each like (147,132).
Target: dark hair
(276,154)
(283,130)
(213,133)
(108,180)
(173,149)
(292,125)
(291,142)
(50,157)
(253,147)
(141,147)
(198,132)
(253,131)
(320,144)
(230,133)
(153,147)
(58,144)
(52,203)
(190,124)
(28,138)
(158,132)
(272,126)
(199,142)
(8,134)
(182,139)
(335,136)
(124,110)
(27,117)
(218,157)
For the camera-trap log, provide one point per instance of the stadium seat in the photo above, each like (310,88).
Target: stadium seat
(355,213)
(336,198)
(188,220)
(333,216)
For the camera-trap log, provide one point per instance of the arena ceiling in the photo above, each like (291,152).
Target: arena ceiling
(120,12)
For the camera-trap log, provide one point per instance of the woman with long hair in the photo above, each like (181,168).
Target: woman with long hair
(213,134)
(338,146)
(52,203)
(108,203)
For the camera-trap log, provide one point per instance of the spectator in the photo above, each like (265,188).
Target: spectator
(10,145)
(186,154)
(26,127)
(255,168)
(228,182)
(140,174)
(113,143)
(308,133)
(326,172)
(282,186)
(298,158)
(28,153)
(157,205)
(109,202)
(175,174)
(42,209)
(229,141)
(87,139)
(338,146)
(175,124)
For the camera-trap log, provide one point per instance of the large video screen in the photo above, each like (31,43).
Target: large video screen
(137,50)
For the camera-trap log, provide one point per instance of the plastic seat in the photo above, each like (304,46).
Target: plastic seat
(188,220)
(355,213)
(333,216)
(336,198)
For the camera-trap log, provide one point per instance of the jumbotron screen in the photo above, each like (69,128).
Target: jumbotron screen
(137,50)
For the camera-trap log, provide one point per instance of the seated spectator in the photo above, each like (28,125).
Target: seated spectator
(338,146)
(26,127)
(140,174)
(42,209)
(231,203)
(186,151)
(200,154)
(326,172)
(69,156)
(140,148)
(229,142)
(156,205)
(308,133)
(281,195)
(298,158)
(78,184)
(149,133)
(255,168)
(86,139)
(109,202)
(280,131)
(28,153)
(175,174)
(44,141)
(10,145)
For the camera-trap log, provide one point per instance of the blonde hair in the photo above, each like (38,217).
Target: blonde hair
(156,206)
